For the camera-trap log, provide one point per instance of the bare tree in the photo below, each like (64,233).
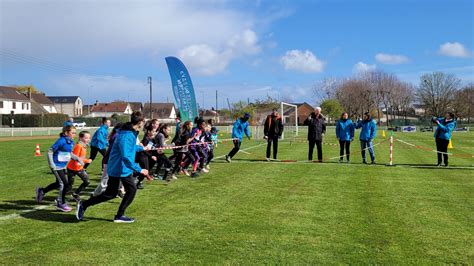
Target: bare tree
(464,102)
(436,91)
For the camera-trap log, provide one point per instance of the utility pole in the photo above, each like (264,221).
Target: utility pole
(216,107)
(151,91)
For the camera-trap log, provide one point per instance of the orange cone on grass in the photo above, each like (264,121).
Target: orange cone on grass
(37,152)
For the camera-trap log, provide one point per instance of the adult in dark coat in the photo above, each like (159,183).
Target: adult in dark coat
(272,130)
(316,130)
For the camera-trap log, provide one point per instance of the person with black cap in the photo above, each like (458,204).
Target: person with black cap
(273,129)
(442,136)
(240,127)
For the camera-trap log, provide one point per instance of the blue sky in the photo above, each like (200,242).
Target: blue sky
(105,50)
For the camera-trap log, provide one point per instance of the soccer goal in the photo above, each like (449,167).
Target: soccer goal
(289,116)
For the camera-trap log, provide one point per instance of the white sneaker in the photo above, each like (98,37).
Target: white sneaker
(174,177)
(204,170)
(268,159)
(186,173)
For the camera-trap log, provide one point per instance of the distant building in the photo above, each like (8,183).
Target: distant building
(13,100)
(304,111)
(419,109)
(69,105)
(41,104)
(109,109)
(136,106)
(164,112)
(210,114)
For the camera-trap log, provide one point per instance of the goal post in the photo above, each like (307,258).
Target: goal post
(285,106)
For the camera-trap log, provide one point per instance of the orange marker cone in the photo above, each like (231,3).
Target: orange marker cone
(37,152)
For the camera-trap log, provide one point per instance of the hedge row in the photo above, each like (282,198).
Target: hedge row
(55,120)
(26,120)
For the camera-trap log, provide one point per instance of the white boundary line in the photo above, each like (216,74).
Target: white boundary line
(246,149)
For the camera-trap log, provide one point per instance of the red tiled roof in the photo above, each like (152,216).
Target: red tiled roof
(110,107)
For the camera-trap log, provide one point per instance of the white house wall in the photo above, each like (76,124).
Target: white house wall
(8,107)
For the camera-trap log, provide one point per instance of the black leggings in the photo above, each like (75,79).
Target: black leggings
(235,149)
(94,151)
(182,157)
(442,148)
(111,192)
(84,177)
(344,144)
(275,147)
(62,183)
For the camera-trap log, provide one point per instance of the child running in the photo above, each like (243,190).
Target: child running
(121,166)
(105,177)
(76,165)
(58,156)
(161,137)
(240,127)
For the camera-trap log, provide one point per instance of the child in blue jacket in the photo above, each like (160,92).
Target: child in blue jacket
(345,134)
(58,156)
(241,126)
(99,141)
(120,167)
(442,136)
(367,135)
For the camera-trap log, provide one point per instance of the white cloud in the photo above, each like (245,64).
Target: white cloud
(201,59)
(391,59)
(304,61)
(86,30)
(204,60)
(454,49)
(362,67)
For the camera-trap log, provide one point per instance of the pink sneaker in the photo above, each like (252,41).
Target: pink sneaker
(63,207)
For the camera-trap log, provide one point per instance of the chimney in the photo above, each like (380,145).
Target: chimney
(29,93)
(96,102)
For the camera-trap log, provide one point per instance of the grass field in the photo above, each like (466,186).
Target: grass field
(256,212)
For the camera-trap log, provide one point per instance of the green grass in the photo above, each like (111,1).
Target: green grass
(255,212)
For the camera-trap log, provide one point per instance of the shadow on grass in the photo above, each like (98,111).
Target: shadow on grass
(56,216)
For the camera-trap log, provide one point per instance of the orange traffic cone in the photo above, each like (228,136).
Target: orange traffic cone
(37,152)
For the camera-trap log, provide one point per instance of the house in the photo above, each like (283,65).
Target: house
(210,114)
(420,109)
(304,111)
(164,112)
(109,109)
(136,106)
(11,100)
(69,105)
(41,104)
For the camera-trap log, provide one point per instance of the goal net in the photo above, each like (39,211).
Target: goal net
(289,116)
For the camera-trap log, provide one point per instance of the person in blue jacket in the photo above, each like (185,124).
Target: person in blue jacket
(59,155)
(99,141)
(120,167)
(367,135)
(241,126)
(442,136)
(345,134)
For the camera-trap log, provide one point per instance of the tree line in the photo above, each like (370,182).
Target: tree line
(385,95)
